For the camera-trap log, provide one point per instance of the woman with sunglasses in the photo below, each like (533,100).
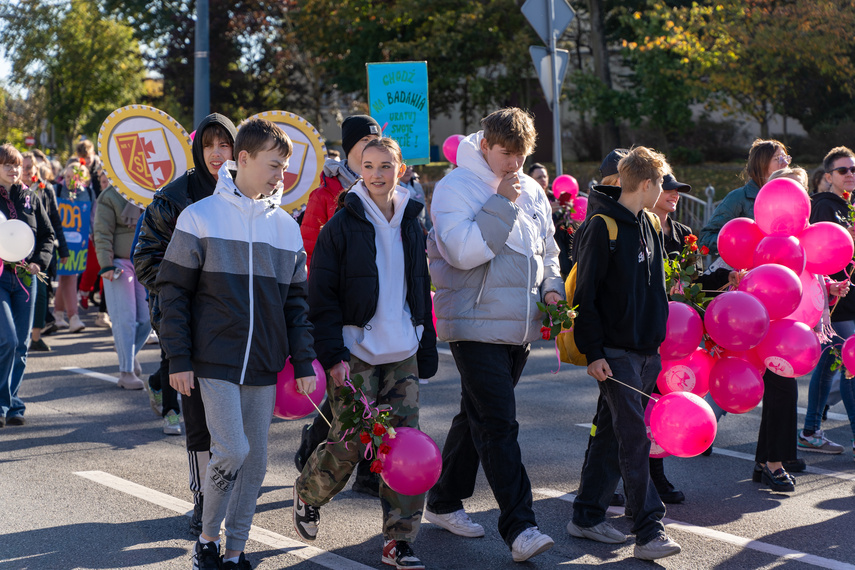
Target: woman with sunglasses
(775,456)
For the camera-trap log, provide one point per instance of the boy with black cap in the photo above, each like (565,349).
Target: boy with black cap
(213,145)
(356,132)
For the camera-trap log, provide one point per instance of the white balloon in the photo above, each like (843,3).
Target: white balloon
(2,218)
(17,240)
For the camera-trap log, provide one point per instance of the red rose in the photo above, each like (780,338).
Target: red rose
(379,430)
(365,437)
(82,162)
(41,185)
(33,178)
(544,333)
(690,239)
(384,448)
(846,195)
(376,466)
(705,250)
(693,247)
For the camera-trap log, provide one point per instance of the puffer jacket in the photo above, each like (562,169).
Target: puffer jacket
(233,290)
(344,283)
(158,220)
(113,238)
(738,203)
(491,259)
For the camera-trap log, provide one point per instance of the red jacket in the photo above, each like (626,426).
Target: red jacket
(321,207)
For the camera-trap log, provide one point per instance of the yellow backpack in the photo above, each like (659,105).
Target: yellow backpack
(567,350)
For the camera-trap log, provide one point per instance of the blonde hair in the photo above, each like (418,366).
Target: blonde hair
(640,164)
(611,180)
(796,173)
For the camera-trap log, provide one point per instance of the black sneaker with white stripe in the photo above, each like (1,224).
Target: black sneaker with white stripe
(306,517)
(398,553)
(207,556)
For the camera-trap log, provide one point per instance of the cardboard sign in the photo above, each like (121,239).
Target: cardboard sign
(143,150)
(398,98)
(75,218)
(306,163)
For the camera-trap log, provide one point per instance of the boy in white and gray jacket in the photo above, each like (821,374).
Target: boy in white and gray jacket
(233,296)
(493,256)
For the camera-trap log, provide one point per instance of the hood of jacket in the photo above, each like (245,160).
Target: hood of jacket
(469,156)
(373,213)
(600,202)
(339,170)
(202,184)
(228,189)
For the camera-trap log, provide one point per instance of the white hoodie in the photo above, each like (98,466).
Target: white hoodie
(390,335)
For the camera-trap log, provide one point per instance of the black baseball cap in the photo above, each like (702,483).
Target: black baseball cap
(670,183)
(609,165)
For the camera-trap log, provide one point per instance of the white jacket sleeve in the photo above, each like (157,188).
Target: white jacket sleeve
(468,237)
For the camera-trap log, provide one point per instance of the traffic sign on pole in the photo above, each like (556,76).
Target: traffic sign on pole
(543,64)
(537,14)
(30,141)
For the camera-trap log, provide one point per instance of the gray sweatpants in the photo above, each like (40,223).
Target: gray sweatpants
(238,419)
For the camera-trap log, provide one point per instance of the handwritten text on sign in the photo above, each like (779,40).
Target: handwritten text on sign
(75,226)
(398,97)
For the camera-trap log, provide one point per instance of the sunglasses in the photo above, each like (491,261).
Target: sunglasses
(842,170)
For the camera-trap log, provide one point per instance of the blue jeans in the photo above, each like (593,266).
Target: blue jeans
(620,448)
(128,307)
(486,430)
(17,304)
(820,381)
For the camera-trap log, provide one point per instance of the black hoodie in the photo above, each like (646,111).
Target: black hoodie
(621,293)
(168,203)
(829,207)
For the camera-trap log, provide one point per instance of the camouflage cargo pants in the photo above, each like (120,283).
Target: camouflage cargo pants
(329,467)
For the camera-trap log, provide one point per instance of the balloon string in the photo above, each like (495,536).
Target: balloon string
(319,410)
(630,387)
(557,357)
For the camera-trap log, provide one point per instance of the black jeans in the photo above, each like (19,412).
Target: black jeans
(486,430)
(620,448)
(779,419)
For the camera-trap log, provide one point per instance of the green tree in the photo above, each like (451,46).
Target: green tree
(86,64)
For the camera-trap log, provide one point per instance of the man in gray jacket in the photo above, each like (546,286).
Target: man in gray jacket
(493,256)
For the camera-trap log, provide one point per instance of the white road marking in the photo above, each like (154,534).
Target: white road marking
(92,374)
(779,551)
(258,534)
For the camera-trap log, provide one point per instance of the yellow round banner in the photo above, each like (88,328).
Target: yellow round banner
(143,150)
(306,163)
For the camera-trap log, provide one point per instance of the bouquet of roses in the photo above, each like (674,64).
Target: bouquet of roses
(558,317)
(363,419)
(79,178)
(680,272)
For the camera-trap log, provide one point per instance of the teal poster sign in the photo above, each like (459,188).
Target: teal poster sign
(398,97)
(75,225)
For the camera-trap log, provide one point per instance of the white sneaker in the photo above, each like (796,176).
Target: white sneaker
(172,423)
(75,324)
(602,532)
(103,320)
(457,523)
(60,321)
(530,542)
(659,547)
(152,338)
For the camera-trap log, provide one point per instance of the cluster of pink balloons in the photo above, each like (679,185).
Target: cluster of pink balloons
(291,404)
(449,148)
(413,463)
(565,188)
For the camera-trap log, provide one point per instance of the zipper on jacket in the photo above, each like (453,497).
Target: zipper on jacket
(251,301)
(527,300)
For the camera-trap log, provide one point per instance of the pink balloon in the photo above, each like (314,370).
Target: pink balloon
(193,135)
(292,405)
(828,247)
(812,304)
(689,374)
(565,184)
(737,241)
(413,464)
(683,332)
(656,450)
(736,385)
(736,320)
(782,208)
(433,308)
(782,250)
(791,349)
(749,356)
(778,288)
(847,353)
(580,209)
(449,148)
(683,424)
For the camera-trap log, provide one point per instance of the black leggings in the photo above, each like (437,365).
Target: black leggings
(779,422)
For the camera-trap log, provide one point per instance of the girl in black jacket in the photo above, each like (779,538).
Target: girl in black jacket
(369,301)
(18,283)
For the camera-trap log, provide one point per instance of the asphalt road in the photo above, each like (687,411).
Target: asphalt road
(92,482)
